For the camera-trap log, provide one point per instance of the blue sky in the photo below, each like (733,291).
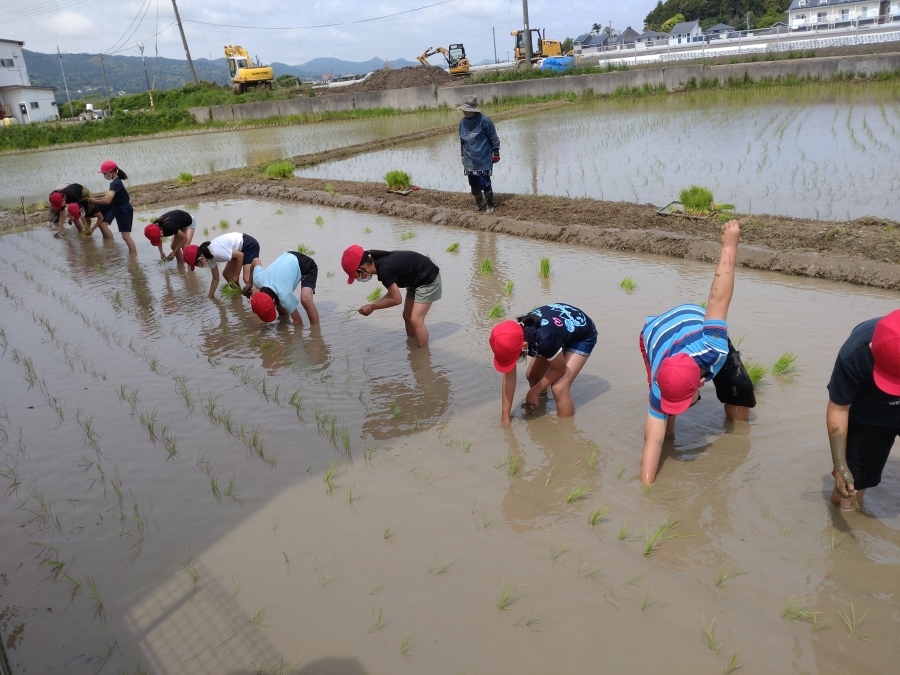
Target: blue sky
(354,30)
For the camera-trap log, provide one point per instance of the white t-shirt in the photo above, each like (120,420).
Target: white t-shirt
(224,246)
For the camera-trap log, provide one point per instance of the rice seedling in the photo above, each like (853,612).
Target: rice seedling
(507,596)
(184,178)
(757,372)
(497,312)
(169,445)
(544,269)
(785,365)
(794,613)
(658,535)
(407,235)
(592,459)
(396,409)
(375,295)
(214,486)
(597,515)
(724,575)
(487,267)
(389,530)
(620,471)
(329,188)
(627,284)
(512,465)
(148,421)
(650,600)
(558,552)
(624,533)
(377,620)
(345,439)
(852,623)
(733,664)
(278,170)
(330,475)
(397,180)
(350,496)
(223,224)
(577,493)
(436,568)
(453,247)
(377,588)
(465,446)
(320,220)
(185,394)
(94,594)
(190,569)
(786,530)
(593,572)
(279,212)
(835,541)
(406,642)
(205,230)
(305,250)
(230,290)
(259,616)
(508,288)
(530,622)
(636,579)
(709,638)
(367,230)
(229,489)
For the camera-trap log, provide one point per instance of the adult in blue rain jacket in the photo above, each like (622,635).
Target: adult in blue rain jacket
(480,150)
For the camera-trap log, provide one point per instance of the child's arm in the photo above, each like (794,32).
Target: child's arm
(722,288)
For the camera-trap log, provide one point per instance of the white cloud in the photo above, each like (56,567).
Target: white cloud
(98,25)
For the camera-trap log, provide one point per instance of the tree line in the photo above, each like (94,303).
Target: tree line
(763,13)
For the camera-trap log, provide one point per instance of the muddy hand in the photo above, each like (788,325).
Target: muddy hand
(731,233)
(843,483)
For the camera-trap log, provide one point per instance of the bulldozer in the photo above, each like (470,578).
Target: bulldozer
(455,56)
(246,75)
(542,50)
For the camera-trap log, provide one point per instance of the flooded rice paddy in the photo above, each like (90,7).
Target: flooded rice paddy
(186,489)
(826,152)
(34,174)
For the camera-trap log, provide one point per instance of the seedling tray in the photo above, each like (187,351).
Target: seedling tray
(677,209)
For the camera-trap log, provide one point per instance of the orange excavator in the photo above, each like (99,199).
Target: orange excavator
(455,56)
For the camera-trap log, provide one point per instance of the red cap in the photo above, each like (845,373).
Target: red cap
(189,253)
(56,201)
(74,211)
(153,233)
(108,166)
(263,306)
(351,260)
(678,379)
(506,340)
(886,350)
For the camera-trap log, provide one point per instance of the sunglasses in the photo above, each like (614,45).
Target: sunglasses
(362,275)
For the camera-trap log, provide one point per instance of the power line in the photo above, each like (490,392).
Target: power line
(324,25)
(122,38)
(37,10)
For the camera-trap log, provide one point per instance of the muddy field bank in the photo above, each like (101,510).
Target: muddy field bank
(865,251)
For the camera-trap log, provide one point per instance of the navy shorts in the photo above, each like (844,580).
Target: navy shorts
(123,215)
(733,384)
(868,448)
(250,249)
(583,347)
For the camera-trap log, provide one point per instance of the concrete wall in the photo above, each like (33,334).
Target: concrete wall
(672,77)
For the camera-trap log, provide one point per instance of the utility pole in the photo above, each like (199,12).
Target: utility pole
(748,19)
(494,33)
(149,90)
(527,41)
(105,84)
(187,52)
(65,84)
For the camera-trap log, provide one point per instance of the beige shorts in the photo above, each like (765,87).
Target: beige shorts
(426,294)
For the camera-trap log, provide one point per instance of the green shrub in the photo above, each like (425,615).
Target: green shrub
(282,169)
(397,180)
(185,178)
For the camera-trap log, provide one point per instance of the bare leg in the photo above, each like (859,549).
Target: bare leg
(536,369)
(846,503)
(230,272)
(737,413)
(179,241)
(414,318)
(129,242)
(306,299)
(565,406)
(670,425)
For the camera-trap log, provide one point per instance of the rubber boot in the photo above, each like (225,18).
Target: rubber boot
(489,198)
(479,200)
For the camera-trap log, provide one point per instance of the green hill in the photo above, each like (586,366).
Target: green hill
(763,13)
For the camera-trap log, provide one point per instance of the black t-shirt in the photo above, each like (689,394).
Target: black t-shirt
(853,384)
(172,221)
(407,269)
(307,265)
(73,193)
(560,326)
(121,197)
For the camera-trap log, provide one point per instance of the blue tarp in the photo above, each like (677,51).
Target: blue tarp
(558,63)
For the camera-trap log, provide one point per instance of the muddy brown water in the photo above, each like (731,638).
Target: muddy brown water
(120,557)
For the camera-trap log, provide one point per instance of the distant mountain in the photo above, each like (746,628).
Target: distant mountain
(125,74)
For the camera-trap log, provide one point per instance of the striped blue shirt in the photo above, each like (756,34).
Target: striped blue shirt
(683,330)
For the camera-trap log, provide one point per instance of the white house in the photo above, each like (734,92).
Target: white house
(684,33)
(19,100)
(805,14)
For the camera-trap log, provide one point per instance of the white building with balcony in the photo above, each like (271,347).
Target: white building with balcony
(825,14)
(19,100)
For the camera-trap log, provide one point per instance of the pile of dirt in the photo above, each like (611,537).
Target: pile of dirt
(401,78)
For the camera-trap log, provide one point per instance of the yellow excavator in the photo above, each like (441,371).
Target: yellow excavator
(245,75)
(541,50)
(455,57)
